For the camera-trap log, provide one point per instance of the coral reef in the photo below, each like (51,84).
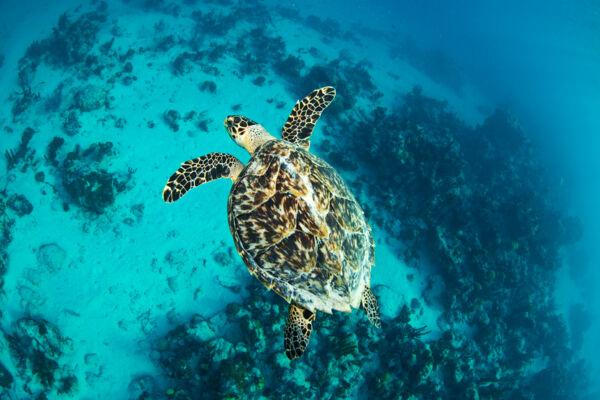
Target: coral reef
(23,100)
(208,86)
(171,118)
(70,42)
(169,8)
(69,46)
(51,257)
(87,184)
(348,77)
(6,379)
(71,124)
(238,353)
(52,150)
(487,222)
(7,222)
(329,28)
(91,97)
(212,23)
(85,179)
(256,50)
(37,347)
(53,102)
(19,204)
(22,154)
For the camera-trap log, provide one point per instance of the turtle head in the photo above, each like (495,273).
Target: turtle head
(246,132)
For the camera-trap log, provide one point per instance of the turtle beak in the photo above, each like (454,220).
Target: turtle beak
(228,122)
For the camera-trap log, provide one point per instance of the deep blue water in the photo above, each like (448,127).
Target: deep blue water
(468,132)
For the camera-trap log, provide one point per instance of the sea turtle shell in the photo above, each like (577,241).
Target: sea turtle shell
(299,229)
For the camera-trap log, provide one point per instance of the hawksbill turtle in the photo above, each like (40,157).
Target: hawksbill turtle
(295,223)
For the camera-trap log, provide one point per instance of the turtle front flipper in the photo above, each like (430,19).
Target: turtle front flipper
(297,331)
(369,303)
(304,116)
(200,170)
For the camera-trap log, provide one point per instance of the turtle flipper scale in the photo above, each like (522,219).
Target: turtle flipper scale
(304,116)
(297,331)
(200,170)
(369,303)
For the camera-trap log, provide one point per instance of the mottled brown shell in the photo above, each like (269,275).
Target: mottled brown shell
(299,229)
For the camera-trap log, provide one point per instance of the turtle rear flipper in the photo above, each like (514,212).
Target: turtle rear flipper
(297,331)
(304,116)
(369,303)
(200,170)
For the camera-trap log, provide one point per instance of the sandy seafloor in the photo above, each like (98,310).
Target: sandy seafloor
(116,281)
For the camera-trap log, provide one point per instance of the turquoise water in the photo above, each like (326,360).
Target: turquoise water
(466,132)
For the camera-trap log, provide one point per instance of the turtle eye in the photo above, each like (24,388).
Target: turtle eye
(229,123)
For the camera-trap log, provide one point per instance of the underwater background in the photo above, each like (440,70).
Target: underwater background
(467,130)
